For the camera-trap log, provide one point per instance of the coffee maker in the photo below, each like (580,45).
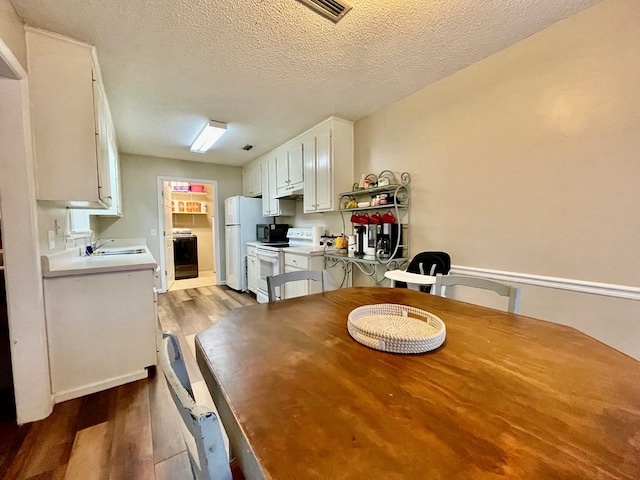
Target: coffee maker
(381,240)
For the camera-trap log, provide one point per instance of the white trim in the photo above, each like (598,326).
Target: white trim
(11,63)
(581,286)
(100,386)
(25,302)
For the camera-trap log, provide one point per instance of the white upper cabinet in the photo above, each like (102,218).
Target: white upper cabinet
(328,164)
(74,141)
(272,206)
(289,169)
(317,164)
(252,179)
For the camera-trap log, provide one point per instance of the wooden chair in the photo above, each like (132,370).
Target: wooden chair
(278,280)
(202,435)
(504,289)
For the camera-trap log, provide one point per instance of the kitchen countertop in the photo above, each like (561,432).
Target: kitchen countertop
(74,262)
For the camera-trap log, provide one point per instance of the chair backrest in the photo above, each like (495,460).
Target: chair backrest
(202,435)
(428,263)
(278,280)
(504,289)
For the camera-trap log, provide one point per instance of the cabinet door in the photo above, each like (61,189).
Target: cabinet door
(282,170)
(256,179)
(266,194)
(247,182)
(269,202)
(309,160)
(274,203)
(324,178)
(102,140)
(296,163)
(64,120)
(252,272)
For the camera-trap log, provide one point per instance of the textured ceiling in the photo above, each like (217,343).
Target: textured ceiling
(273,68)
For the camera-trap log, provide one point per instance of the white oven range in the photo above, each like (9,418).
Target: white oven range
(270,257)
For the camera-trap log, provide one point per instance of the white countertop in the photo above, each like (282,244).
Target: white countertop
(73,262)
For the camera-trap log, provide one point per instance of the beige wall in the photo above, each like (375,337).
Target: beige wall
(140,196)
(528,162)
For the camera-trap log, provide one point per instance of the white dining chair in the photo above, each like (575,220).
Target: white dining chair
(504,289)
(276,281)
(201,432)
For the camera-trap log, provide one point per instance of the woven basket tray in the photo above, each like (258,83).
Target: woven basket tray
(396,328)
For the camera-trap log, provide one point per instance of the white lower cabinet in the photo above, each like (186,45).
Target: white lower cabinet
(101,330)
(252,269)
(296,262)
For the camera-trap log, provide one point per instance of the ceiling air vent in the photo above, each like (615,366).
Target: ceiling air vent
(332,9)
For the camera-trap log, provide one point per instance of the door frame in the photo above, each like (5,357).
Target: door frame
(218,214)
(23,274)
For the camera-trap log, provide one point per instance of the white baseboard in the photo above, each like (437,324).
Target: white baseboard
(99,386)
(593,288)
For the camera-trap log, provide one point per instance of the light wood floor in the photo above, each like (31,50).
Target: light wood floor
(205,278)
(127,432)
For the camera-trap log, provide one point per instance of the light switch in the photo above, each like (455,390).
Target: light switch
(52,239)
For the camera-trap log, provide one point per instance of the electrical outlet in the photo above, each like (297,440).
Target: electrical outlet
(52,239)
(153,232)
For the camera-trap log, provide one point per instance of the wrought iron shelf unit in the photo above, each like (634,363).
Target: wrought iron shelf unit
(395,195)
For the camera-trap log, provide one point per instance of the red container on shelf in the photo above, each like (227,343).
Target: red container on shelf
(196,187)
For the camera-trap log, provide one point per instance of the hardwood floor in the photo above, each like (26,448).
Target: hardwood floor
(127,432)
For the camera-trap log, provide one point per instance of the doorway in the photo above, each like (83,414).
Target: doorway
(188,212)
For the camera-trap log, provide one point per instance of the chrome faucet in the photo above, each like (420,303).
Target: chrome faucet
(96,247)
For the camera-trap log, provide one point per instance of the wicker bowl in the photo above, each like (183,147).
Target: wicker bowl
(396,328)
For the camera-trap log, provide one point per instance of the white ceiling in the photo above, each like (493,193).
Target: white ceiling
(274,68)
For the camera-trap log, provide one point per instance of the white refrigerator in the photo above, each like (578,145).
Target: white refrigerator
(241,215)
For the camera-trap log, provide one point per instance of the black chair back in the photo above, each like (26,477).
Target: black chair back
(428,263)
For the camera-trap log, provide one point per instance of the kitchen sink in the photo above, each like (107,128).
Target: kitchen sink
(120,251)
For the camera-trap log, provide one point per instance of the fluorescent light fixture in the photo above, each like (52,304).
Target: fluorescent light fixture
(208,136)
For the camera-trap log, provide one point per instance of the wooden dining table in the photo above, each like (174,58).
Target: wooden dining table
(506,396)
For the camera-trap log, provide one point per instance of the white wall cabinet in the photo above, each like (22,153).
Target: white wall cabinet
(297,262)
(113,172)
(272,206)
(328,164)
(289,169)
(71,123)
(252,179)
